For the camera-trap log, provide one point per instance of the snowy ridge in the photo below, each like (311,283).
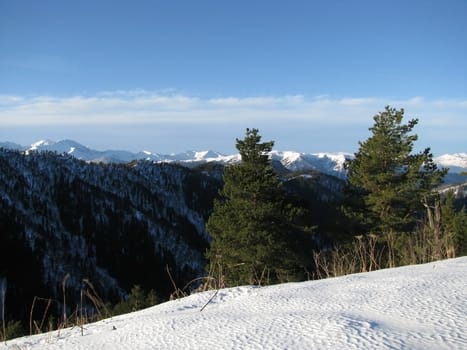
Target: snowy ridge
(456,162)
(81,152)
(328,163)
(411,307)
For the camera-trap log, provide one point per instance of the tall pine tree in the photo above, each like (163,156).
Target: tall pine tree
(254,240)
(387,183)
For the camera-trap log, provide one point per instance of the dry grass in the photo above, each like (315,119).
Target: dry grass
(90,309)
(430,242)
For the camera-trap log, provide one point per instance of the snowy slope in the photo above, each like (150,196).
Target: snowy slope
(412,307)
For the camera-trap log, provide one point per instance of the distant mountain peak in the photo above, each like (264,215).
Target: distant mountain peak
(456,159)
(41,144)
(328,163)
(207,154)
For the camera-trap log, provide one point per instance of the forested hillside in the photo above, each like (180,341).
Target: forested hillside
(117,225)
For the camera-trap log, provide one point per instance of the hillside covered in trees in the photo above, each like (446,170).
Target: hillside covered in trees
(115,225)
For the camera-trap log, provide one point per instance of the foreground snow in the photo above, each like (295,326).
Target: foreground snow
(412,307)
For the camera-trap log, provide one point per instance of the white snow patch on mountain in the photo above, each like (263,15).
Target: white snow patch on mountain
(41,144)
(456,162)
(328,163)
(411,307)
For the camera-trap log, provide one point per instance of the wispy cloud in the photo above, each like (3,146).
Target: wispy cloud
(287,117)
(267,102)
(140,106)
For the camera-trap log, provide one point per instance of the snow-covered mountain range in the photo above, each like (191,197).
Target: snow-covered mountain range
(328,163)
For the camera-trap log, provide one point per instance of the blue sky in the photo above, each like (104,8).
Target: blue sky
(169,76)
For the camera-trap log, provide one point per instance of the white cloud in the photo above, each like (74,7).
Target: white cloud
(289,117)
(357,101)
(140,106)
(265,102)
(6,100)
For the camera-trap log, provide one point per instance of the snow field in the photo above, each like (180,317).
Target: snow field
(411,307)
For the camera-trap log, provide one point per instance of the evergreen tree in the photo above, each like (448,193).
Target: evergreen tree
(387,184)
(455,224)
(137,299)
(254,240)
